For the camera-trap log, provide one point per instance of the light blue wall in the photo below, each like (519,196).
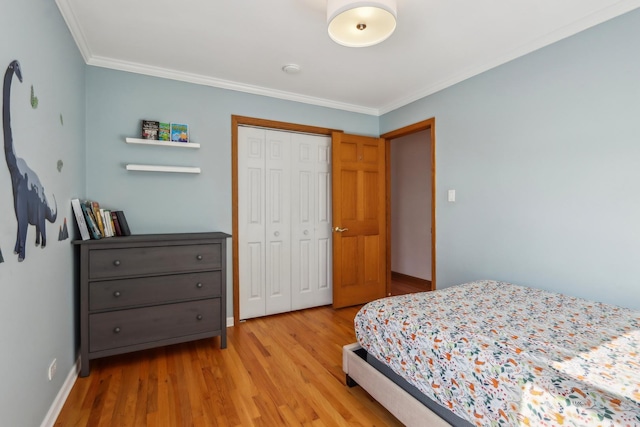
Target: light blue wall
(544,153)
(37,307)
(170,202)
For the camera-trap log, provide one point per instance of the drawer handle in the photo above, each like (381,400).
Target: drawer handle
(199,317)
(199,257)
(117,294)
(198,285)
(116,330)
(116,263)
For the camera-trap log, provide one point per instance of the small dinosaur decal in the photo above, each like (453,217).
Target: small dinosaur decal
(29,200)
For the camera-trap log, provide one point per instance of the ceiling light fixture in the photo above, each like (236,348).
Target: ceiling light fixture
(354,23)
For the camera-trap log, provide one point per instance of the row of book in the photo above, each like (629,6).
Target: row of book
(97,223)
(161,131)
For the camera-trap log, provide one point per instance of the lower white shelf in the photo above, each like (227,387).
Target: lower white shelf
(152,168)
(162,143)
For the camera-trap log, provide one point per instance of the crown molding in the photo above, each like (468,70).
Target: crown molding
(78,35)
(199,79)
(587,22)
(71,20)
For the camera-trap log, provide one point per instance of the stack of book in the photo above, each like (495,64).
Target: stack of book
(95,222)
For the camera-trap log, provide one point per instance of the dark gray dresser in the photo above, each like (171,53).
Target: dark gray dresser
(144,291)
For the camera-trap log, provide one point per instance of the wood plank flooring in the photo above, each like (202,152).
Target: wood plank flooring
(401,287)
(283,370)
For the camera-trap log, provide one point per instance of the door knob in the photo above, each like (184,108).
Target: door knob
(341,230)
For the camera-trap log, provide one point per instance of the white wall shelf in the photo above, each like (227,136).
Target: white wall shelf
(162,143)
(153,168)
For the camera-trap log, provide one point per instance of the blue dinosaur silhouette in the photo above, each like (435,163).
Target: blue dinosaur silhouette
(29,201)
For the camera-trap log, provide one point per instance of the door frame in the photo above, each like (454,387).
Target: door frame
(262,123)
(430,125)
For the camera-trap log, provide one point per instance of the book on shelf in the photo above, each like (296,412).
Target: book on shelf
(124,226)
(106,220)
(179,132)
(116,224)
(150,129)
(107,214)
(80,221)
(95,209)
(91,223)
(164,131)
(89,215)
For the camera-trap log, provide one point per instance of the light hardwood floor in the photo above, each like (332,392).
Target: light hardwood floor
(276,371)
(401,287)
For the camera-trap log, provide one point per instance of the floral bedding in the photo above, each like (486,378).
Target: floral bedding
(497,354)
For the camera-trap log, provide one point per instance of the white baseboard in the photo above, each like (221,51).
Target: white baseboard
(58,403)
(229,322)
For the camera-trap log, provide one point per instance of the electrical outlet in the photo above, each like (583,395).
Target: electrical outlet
(52,369)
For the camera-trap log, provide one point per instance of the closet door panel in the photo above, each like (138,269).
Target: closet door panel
(324,271)
(303,232)
(251,222)
(323,222)
(278,222)
(284,216)
(309,274)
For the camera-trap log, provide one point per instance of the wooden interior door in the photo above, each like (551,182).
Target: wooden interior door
(359,219)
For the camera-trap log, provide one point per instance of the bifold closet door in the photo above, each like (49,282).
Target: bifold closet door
(284,221)
(311,275)
(264,222)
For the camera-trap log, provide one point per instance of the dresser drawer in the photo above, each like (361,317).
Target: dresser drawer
(142,325)
(154,290)
(122,262)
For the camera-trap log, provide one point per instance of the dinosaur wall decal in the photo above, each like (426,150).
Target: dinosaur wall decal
(29,200)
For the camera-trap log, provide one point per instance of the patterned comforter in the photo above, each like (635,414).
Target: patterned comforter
(498,354)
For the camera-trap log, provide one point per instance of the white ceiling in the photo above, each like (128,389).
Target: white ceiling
(243,44)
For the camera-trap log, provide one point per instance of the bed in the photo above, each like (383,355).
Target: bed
(490,353)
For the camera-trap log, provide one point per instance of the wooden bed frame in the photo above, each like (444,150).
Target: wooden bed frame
(407,409)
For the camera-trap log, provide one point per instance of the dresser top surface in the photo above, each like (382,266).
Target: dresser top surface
(150,238)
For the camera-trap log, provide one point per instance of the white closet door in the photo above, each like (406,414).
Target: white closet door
(278,222)
(311,276)
(284,221)
(251,222)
